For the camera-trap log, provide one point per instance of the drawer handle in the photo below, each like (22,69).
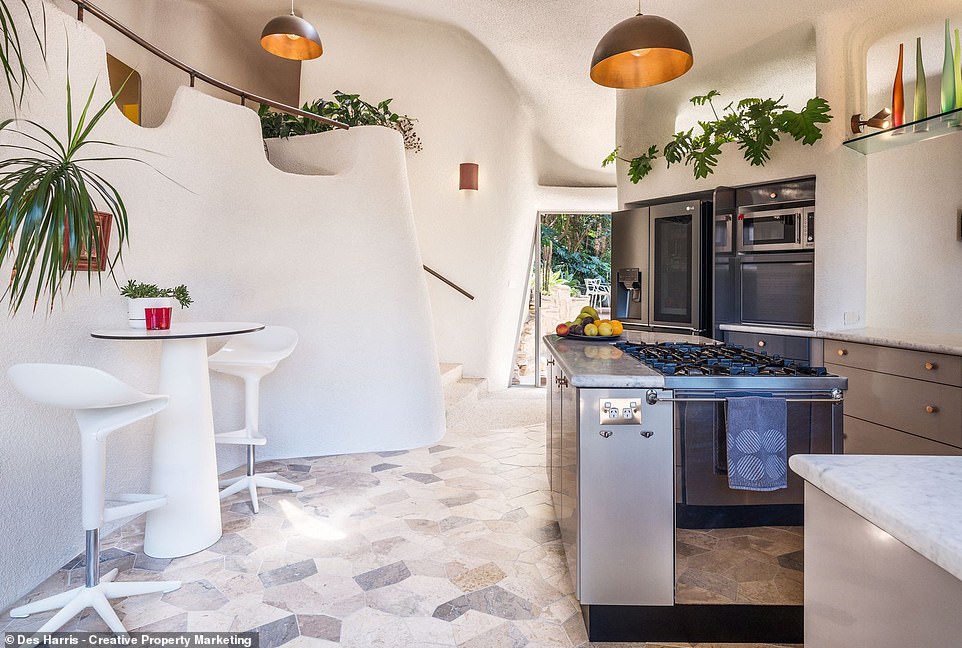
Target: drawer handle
(842,352)
(929,366)
(931,409)
(761,343)
(606,434)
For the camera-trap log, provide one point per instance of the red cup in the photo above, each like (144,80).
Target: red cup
(157,319)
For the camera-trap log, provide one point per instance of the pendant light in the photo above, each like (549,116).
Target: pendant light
(641,51)
(291,37)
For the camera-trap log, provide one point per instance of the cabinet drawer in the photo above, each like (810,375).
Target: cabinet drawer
(795,348)
(901,403)
(934,367)
(862,437)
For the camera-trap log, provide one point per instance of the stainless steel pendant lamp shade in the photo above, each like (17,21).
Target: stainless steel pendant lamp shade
(641,51)
(291,37)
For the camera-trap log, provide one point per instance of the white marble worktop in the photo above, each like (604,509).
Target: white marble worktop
(914,339)
(767,330)
(599,364)
(917,500)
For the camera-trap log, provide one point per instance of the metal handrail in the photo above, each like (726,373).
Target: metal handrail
(83,5)
(435,273)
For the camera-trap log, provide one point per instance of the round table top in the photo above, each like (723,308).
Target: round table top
(180,331)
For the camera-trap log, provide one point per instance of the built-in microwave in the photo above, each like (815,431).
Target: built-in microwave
(776,230)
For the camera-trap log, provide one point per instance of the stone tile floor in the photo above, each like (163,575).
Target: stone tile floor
(453,545)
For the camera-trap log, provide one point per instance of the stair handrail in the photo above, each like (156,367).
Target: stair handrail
(438,275)
(85,6)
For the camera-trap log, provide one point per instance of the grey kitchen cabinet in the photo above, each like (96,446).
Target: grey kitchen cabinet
(899,401)
(792,347)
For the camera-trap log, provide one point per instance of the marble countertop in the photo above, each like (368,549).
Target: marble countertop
(767,330)
(917,500)
(916,340)
(599,364)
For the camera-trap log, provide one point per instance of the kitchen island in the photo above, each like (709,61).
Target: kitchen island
(655,555)
(883,550)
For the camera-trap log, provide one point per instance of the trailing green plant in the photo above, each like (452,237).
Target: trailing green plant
(49,200)
(138,290)
(346,108)
(753,124)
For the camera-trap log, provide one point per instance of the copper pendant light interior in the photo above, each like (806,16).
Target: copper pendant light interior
(291,37)
(641,51)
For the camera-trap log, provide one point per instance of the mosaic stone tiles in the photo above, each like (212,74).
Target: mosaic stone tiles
(753,565)
(465,553)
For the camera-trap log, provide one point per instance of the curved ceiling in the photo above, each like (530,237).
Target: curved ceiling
(545,47)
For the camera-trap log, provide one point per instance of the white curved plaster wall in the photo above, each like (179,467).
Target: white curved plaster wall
(253,243)
(914,256)
(467,111)
(197,35)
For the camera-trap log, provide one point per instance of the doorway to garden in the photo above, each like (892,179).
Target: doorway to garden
(570,269)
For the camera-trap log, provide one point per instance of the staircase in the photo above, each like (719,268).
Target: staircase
(459,392)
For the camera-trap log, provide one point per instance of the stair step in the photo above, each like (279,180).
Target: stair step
(451,373)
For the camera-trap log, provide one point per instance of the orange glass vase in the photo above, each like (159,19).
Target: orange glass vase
(898,93)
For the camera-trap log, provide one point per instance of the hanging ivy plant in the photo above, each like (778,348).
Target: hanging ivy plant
(754,124)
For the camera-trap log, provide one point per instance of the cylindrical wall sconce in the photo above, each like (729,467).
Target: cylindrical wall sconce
(469,176)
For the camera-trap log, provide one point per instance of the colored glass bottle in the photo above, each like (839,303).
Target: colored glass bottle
(921,93)
(898,93)
(958,71)
(948,73)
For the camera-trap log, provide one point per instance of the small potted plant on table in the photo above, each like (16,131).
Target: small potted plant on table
(144,296)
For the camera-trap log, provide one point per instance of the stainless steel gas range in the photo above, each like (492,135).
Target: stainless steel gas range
(658,546)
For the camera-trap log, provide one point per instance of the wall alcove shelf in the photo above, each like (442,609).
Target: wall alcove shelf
(910,133)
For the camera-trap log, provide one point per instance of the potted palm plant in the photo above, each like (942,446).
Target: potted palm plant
(144,296)
(49,196)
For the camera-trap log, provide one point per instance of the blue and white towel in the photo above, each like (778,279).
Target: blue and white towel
(757,443)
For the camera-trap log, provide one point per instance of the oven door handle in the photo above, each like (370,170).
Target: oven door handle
(720,443)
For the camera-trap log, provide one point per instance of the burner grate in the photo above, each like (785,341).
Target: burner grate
(682,359)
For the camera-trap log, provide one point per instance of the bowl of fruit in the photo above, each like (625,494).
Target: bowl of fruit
(588,326)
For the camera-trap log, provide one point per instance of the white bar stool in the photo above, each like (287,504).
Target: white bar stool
(102,404)
(252,357)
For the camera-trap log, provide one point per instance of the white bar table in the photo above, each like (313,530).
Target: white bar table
(184,466)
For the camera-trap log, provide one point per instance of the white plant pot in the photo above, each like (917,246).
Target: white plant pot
(135,309)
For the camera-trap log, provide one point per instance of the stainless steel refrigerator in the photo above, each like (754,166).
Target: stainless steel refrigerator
(661,266)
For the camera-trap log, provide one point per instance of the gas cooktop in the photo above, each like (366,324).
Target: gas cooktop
(721,366)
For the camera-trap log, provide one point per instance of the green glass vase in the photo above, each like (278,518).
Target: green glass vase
(948,74)
(921,93)
(958,71)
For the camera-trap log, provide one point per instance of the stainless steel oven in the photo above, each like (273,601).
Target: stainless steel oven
(776,230)
(777,289)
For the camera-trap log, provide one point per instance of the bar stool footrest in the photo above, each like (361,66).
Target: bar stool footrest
(131,504)
(240,437)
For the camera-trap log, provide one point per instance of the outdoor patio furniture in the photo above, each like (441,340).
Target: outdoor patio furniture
(598,292)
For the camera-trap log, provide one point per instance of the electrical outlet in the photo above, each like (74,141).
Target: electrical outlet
(852,317)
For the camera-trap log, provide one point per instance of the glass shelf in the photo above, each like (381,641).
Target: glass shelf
(917,131)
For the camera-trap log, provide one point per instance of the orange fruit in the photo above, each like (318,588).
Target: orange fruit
(617,328)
